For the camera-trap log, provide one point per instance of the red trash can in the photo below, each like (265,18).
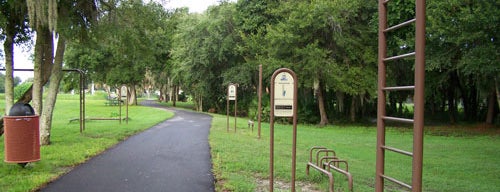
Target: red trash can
(21,139)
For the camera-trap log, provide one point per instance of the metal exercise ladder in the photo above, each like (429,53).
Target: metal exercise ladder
(418,88)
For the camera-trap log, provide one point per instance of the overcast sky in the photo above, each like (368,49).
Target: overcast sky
(21,60)
(197,6)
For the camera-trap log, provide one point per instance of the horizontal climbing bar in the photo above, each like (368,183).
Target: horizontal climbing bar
(398,151)
(397,181)
(397,119)
(399,88)
(400,56)
(406,23)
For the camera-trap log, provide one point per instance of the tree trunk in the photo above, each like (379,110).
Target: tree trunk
(321,105)
(469,96)
(362,105)
(177,89)
(41,70)
(400,108)
(49,104)
(43,62)
(37,74)
(161,94)
(165,94)
(9,77)
(174,95)
(491,108)
(169,89)
(28,96)
(196,102)
(107,88)
(433,104)
(132,99)
(200,103)
(393,103)
(444,100)
(497,91)
(353,109)
(340,102)
(452,108)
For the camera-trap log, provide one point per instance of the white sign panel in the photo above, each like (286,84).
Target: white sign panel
(283,95)
(123,91)
(231,92)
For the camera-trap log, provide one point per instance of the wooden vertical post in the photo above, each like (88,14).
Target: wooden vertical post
(259,92)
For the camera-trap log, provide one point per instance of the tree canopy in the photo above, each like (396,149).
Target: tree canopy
(330,44)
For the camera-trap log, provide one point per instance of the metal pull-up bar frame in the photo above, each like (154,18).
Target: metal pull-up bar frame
(418,88)
(81,91)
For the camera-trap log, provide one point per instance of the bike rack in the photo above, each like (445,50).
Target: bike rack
(326,163)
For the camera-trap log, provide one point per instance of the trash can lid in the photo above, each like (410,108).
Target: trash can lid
(21,109)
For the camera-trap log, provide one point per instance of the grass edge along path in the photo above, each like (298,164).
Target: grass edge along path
(69,148)
(451,163)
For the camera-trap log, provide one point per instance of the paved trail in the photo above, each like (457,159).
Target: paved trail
(171,156)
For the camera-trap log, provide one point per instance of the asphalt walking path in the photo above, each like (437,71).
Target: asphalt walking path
(171,156)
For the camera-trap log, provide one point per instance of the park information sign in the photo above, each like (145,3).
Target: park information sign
(283,104)
(283,95)
(231,96)
(231,92)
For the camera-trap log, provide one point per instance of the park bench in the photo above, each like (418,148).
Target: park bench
(326,160)
(112,101)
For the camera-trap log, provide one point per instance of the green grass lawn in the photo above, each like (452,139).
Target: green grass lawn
(185,105)
(451,163)
(70,148)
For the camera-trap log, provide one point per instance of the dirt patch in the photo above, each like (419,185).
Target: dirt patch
(263,186)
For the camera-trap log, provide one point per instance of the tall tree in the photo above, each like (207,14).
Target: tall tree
(161,69)
(464,51)
(45,17)
(15,31)
(128,40)
(325,41)
(208,43)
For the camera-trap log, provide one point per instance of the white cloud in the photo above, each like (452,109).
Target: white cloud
(195,6)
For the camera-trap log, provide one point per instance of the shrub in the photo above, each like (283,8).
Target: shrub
(20,89)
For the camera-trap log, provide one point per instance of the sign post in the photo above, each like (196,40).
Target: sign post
(259,92)
(123,95)
(232,95)
(283,104)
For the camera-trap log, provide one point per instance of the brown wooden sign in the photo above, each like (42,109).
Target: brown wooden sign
(284,94)
(283,104)
(232,96)
(231,92)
